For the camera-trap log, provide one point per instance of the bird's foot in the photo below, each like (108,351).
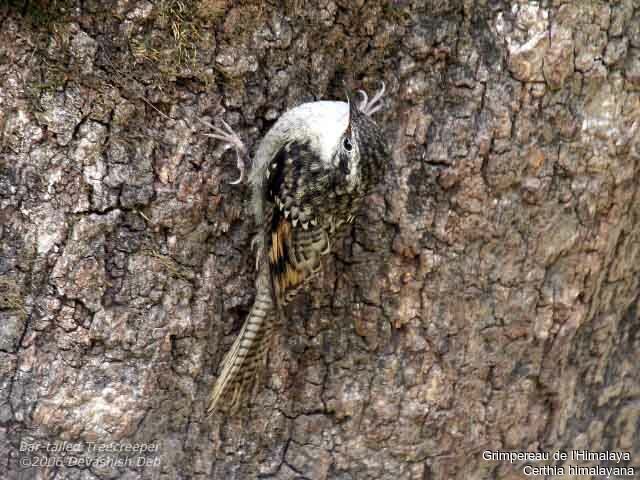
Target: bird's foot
(256,245)
(369,107)
(228,135)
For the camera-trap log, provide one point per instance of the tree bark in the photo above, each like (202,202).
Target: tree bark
(486,299)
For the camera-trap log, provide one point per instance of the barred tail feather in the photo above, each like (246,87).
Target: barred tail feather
(245,360)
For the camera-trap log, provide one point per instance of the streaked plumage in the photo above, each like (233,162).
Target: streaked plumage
(310,174)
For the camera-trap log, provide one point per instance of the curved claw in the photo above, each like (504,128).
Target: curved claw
(380,92)
(256,245)
(369,107)
(229,136)
(374,110)
(327,250)
(254,242)
(240,166)
(365,98)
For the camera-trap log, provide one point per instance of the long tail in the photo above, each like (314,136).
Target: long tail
(243,363)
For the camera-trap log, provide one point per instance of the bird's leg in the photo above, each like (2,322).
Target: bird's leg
(369,107)
(327,250)
(226,134)
(256,244)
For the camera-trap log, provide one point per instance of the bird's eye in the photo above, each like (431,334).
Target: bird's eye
(346,143)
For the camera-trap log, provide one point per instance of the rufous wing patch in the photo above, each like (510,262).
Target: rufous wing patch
(285,275)
(279,238)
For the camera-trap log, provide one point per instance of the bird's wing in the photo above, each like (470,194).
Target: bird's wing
(295,239)
(294,244)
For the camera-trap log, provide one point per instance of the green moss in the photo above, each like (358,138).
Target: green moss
(171,266)
(42,13)
(175,38)
(54,78)
(10,297)
(212,9)
(51,69)
(395,13)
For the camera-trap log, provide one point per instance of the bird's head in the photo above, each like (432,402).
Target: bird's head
(361,154)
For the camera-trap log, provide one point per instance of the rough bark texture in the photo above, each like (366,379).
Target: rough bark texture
(486,299)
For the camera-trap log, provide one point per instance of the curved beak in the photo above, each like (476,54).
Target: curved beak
(353,108)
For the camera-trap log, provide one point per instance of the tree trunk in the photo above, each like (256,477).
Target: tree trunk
(486,300)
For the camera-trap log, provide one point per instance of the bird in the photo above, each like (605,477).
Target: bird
(309,177)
